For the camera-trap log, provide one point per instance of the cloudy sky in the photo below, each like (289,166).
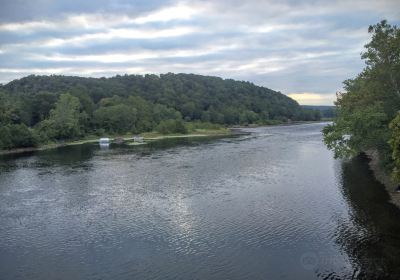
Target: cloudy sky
(302,48)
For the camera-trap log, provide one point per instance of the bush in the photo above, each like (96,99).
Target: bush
(16,136)
(45,131)
(171,126)
(5,138)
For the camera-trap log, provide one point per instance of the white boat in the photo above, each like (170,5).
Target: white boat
(104,141)
(138,138)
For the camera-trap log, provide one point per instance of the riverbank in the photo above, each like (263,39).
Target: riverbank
(152,136)
(383,177)
(130,139)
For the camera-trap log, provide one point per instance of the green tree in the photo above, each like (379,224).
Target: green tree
(383,55)
(370,101)
(171,126)
(5,137)
(16,136)
(40,106)
(162,112)
(64,118)
(119,118)
(6,109)
(22,136)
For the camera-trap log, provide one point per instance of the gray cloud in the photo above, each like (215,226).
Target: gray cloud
(292,46)
(23,10)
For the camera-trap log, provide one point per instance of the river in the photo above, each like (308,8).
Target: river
(273,204)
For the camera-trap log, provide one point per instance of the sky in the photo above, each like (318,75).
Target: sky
(304,49)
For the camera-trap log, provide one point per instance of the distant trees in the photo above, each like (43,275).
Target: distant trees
(6,109)
(64,120)
(317,111)
(65,117)
(310,115)
(117,118)
(39,107)
(54,108)
(16,136)
(13,133)
(370,102)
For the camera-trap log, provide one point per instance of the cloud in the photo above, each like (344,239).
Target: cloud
(99,21)
(120,33)
(178,12)
(301,48)
(22,10)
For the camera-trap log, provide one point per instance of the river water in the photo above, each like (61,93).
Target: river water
(273,204)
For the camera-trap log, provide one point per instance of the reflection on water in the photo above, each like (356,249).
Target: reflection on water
(372,236)
(270,205)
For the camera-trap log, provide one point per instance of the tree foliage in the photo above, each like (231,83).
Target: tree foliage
(370,101)
(64,118)
(16,136)
(171,126)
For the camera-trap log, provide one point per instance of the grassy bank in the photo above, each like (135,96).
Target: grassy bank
(127,138)
(194,133)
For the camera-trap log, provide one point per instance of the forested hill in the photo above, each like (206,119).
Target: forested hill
(194,96)
(135,103)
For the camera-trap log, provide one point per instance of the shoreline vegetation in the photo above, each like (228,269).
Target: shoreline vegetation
(367,117)
(128,139)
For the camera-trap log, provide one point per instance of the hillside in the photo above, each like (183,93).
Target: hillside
(64,107)
(192,95)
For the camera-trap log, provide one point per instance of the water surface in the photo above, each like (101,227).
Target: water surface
(273,204)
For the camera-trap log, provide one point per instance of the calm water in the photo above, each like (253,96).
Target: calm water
(270,205)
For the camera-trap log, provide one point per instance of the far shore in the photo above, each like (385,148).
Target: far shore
(147,136)
(152,136)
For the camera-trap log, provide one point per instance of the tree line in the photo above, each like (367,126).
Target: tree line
(368,116)
(326,111)
(42,109)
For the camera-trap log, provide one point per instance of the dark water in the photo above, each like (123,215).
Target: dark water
(270,205)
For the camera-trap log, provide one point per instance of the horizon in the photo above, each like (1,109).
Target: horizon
(302,49)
